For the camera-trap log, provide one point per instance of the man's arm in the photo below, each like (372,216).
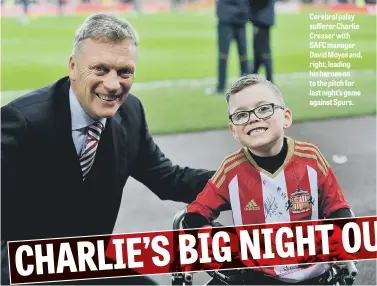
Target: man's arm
(157,172)
(13,132)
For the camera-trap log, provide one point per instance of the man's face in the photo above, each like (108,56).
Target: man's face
(259,135)
(102,74)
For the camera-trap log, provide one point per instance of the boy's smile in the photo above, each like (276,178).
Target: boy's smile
(263,133)
(256,131)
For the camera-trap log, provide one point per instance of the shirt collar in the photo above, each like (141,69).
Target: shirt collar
(80,119)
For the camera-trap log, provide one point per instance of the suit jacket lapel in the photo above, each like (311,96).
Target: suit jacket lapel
(64,140)
(120,145)
(68,156)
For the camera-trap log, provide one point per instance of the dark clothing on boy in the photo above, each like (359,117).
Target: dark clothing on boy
(272,163)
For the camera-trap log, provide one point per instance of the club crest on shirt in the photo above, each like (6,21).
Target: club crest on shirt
(300,201)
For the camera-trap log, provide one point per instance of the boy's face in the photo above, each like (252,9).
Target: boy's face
(262,136)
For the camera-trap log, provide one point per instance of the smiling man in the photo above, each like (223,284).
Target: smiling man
(102,73)
(69,148)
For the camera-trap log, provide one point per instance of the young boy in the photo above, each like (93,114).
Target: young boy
(272,178)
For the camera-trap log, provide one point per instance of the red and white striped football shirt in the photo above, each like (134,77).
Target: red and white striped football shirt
(303,188)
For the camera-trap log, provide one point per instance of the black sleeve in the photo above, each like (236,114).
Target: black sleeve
(341,213)
(157,172)
(13,138)
(194,220)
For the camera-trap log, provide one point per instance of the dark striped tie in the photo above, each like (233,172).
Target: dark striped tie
(88,155)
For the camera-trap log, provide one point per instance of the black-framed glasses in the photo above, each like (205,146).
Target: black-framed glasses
(261,112)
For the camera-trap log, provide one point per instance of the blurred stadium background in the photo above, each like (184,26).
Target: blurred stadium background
(178,55)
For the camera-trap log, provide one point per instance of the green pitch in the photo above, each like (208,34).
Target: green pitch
(184,46)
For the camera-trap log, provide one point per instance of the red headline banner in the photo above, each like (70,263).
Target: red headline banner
(249,246)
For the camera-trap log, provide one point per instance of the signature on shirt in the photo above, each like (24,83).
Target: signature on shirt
(271,207)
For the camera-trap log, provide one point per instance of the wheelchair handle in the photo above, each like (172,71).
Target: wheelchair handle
(178,218)
(352,270)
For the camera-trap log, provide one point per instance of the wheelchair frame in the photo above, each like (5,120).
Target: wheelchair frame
(341,273)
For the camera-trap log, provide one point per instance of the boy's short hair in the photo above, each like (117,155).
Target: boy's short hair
(249,80)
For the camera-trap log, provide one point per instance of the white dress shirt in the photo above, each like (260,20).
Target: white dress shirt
(80,122)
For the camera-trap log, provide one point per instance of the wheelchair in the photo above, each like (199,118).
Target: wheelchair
(340,273)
